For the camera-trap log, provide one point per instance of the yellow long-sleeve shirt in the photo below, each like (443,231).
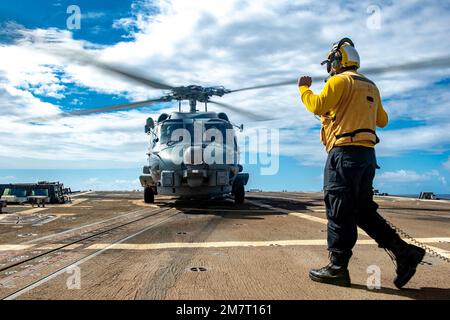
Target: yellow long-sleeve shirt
(327,101)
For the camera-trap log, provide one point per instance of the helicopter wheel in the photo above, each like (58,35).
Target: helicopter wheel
(149,195)
(239,193)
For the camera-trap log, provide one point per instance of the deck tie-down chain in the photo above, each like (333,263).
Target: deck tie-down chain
(427,249)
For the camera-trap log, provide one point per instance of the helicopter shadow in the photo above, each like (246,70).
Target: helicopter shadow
(225,208)
(287,204)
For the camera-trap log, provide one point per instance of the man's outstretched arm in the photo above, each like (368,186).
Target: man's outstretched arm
(323,102)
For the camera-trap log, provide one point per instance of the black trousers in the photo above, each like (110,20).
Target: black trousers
(348,179)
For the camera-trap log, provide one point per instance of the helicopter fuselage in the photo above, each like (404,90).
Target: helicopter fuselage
(193,154)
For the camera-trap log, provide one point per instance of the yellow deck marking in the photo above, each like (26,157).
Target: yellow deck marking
(73,203)
(81,194)
(13,247)
(31,211)
(141,203)
(223,244)
(231,244)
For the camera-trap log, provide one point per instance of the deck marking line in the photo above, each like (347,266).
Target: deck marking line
(13,247)
(84,226)
(231,244)
(83,260)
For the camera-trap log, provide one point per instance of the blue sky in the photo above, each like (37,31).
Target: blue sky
(230,43)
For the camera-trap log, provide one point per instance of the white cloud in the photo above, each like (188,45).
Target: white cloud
(409,176)
(235,44)
(433,138)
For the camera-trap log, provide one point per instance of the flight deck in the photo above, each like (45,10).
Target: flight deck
(112,245)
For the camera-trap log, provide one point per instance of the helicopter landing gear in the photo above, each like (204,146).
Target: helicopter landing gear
(149,195)
(238,192)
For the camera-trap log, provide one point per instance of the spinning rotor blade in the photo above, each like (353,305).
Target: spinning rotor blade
(276,84)
(97,110)
(418,65)
(130,105)
(83,58)
(245,113)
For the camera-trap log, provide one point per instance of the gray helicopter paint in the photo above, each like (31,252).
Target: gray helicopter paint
(191,179)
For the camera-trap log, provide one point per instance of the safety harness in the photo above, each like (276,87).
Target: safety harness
(352,134)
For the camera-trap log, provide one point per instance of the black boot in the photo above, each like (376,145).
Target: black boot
(407,257)
(336,272)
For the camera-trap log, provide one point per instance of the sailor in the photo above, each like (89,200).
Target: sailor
(350,109)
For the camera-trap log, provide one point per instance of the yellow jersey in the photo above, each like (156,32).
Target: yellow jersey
(350,109)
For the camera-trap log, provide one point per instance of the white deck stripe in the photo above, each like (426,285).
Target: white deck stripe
(233,244)
(360,231)
(83,260)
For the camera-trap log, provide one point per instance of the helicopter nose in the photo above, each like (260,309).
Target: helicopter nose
(193,155)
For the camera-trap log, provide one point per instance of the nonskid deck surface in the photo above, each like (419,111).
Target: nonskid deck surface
(111,245)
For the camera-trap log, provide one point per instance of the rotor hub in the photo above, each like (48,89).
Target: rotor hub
(196,93)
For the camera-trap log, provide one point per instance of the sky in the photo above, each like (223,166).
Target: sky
(210,42)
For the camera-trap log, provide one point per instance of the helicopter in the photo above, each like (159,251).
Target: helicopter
(192,153)
(179,162)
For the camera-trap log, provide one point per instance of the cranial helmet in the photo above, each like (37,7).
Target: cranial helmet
(342,55)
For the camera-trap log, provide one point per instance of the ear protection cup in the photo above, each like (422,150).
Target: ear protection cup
(336,60)
(335,57)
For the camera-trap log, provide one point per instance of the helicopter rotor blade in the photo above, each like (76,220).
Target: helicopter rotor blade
(130,105)
(417,65)
(96,110)
(271,85)
(84,58)
(245,113)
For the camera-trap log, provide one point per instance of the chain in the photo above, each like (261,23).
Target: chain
(417,243)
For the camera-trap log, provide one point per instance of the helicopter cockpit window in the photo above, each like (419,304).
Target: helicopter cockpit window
(168,134)
(218,128)
(212,131)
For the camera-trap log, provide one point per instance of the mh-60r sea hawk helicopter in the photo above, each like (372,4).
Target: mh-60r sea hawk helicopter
(194,153)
